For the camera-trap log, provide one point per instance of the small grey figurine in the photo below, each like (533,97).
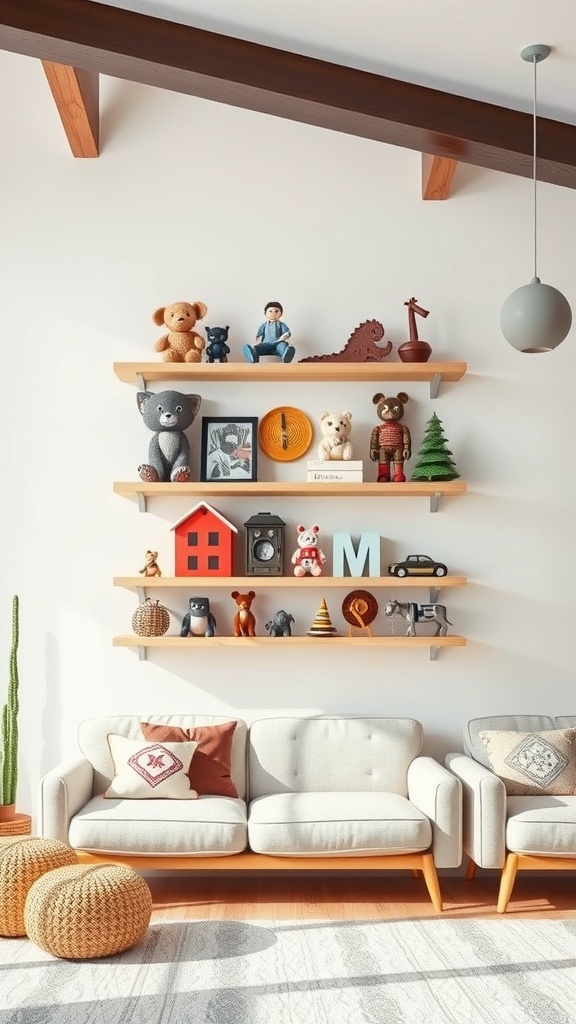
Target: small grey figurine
(199,620)
(279,625)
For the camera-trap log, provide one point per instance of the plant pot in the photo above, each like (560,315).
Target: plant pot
(415,352)
(7,812)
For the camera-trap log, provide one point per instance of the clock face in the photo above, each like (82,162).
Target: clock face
(264,544)
(264,550)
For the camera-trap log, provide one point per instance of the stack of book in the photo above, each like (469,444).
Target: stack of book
(334,471)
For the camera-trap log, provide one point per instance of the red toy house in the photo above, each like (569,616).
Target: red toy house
(204,543)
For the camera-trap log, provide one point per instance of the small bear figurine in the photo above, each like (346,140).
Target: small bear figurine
(280,624)
(168,414)
(151,567)
(335,443)
(308,557)
(244,621)
(182,344)
(390,441)
(199,620)
(217,349)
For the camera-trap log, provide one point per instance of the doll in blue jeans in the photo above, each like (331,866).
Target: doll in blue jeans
(271,338)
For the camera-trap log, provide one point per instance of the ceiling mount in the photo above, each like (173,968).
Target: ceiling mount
(535,53)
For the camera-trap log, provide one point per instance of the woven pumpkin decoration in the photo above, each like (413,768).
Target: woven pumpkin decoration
(150,619)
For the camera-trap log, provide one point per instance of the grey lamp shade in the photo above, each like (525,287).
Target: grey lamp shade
(536,317)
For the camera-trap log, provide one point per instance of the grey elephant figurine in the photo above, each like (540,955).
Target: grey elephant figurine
(280,624)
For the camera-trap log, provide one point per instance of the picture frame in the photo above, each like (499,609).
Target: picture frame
(229,449)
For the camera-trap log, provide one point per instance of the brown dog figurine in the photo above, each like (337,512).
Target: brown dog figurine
(244,621)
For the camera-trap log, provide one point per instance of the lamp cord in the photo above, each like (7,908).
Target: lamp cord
(534,61)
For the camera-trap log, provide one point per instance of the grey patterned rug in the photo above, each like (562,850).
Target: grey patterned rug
(305,972)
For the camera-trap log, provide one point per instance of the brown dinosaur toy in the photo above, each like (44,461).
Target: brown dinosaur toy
(362,346)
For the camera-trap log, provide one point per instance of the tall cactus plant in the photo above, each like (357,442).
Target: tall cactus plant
(9,728)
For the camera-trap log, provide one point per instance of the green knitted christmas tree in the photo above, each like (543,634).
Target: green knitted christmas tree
(433,461)
(9,724)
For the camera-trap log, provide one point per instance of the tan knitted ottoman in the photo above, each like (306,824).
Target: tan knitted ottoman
(23,859)
(88,910)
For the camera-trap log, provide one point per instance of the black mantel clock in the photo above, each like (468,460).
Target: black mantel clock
(264,545)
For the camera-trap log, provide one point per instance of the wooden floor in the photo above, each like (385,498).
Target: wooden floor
(394,895)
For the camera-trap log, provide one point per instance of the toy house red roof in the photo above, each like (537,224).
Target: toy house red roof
(209,508)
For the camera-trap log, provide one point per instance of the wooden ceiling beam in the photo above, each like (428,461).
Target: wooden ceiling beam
(437,175)
(76,95)
(123,44)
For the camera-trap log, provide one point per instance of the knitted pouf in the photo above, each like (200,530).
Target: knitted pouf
(88,910)
(24,859)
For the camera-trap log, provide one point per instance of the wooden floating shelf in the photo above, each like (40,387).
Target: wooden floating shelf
(275,582)
(143,374)
(142,643)
(140,491)
(265,641)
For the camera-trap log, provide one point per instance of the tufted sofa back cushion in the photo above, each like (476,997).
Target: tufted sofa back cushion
(92,741)
(340,753)
(522,723)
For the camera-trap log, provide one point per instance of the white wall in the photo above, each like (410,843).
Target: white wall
(198,201)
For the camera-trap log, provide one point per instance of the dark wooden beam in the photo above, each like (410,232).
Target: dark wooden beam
(152,51)
(76,95)
(437,175)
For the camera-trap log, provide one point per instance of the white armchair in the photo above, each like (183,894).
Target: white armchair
(518,775)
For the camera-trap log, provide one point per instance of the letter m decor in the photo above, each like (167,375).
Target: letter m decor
(344,553)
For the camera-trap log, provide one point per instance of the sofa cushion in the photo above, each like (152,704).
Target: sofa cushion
(542,825)
(210,826)
(474,747)
(533,762)
(145,771)
(92,734)
(210,767)
(346,753)
(336,824)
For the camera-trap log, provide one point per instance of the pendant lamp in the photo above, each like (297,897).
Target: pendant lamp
(536,317)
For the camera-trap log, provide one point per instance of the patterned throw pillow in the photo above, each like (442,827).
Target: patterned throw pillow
(150,771)
(532,763)
(210,766)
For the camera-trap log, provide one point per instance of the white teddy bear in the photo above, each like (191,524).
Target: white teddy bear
(308,557)
(336,429)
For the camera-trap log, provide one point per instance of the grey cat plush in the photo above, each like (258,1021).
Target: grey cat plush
(199,620)
(168,414)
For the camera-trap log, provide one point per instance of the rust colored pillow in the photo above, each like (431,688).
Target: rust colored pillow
(209,771)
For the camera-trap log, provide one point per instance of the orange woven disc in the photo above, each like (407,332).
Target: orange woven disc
(285,433)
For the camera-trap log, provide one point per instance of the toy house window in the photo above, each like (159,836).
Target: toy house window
(193,539)
(193,563)
(213,562)
(213,539)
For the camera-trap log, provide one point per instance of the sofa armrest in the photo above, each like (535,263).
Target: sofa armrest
(437,793)
(62,792)
(484,809)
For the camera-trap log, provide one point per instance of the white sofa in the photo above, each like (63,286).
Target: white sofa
(523,815)
(328,792)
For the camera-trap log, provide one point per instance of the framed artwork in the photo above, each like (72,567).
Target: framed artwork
(229,448)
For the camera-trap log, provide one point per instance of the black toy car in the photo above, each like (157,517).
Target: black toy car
(417,565)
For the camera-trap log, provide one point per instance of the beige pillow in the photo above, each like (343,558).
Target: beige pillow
(150,771)
(532,763)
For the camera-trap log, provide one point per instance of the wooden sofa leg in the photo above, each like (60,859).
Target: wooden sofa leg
(431,879)
(507,882)
(470,870)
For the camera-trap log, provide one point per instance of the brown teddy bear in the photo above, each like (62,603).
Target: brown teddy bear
(151,567)
(244,621)
(182,344)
